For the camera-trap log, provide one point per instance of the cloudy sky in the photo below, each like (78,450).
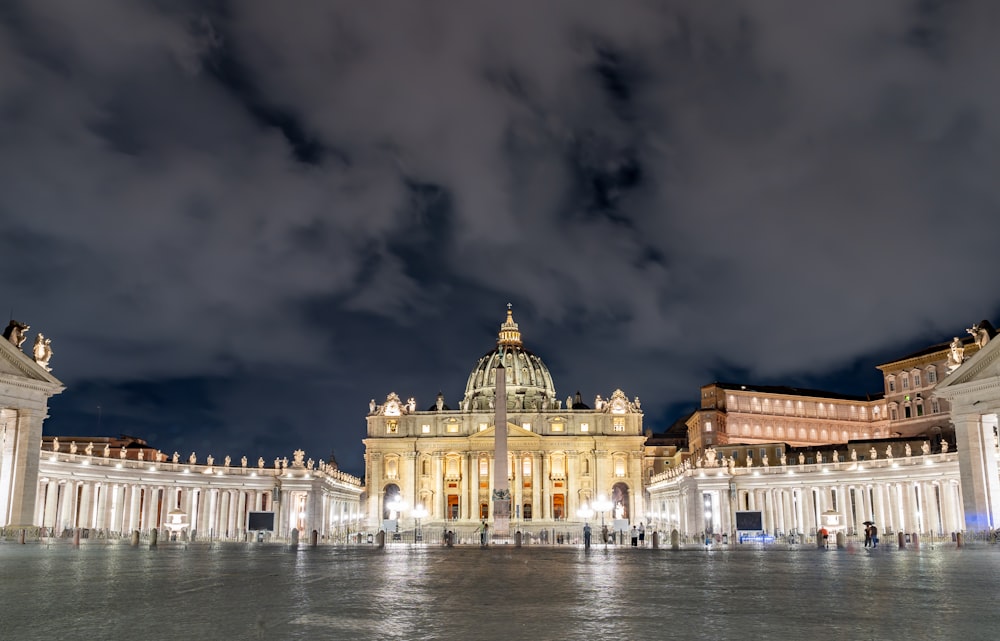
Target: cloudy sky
(240,221)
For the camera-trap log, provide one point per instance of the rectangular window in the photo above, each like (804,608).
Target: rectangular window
(920,409)
(931,376)
(425,429)
(893,414)
(526,426)
(935,406)
(906,382)
(708,426)
(584,427)
(619,424)
(557,427)
(452,428)
(392,426)
(916,379)
(482,427)
(906,411)
(892,385)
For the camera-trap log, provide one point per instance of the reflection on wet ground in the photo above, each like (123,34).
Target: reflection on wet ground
(273,592)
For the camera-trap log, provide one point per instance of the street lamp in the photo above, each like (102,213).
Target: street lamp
(419,512)
(602,505)
(395,506)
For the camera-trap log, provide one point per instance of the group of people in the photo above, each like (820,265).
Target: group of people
(637,535)
(871,535)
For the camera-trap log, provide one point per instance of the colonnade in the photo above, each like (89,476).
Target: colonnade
(924,496)
(115,499)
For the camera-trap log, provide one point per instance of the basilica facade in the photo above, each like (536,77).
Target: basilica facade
(562,454)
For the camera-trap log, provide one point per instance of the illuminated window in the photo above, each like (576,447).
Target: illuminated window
(484,466)
(392,426)
(526,467)
(526,426)
(392,467)
(558,465)
(425,429)
(620,466)
(452,428)
(482,427)
(584,427)
(619,424)
(708,426)
(451,466)
(557,427)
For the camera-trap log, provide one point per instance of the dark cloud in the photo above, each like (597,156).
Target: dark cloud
(239,221)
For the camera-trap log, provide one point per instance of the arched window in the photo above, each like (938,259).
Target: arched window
(392,467)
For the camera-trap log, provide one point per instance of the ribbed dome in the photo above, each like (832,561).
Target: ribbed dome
(529,384)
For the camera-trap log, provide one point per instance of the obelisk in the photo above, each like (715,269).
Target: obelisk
(501,486)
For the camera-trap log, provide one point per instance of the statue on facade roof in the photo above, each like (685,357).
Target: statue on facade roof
(72,447)
(42,351)
(836,456)
(371,406)
(122,453)
(888,451)
(55,444)
(979,335)
(908,451)
(956,354)
(16,332)
(89,450)
(192,459)
(819,457)
(873,453)
(925,448)
(802,458)
(243,462)
(854,454)
(944,446)
(260,462)
(140,455)
(298,457)
(226,461)
(107,450)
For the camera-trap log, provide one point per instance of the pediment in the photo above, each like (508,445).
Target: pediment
(513,431)
(18,367)
(983,366)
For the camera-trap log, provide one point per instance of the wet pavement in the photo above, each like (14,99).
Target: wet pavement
(117,592)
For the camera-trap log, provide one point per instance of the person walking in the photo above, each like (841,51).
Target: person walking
(635,537)
(586,535)
(874,533)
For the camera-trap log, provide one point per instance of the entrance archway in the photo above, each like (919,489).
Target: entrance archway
(620,501)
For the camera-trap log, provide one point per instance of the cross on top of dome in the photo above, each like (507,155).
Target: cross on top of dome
(510,335)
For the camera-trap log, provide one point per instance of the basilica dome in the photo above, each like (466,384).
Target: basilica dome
(529,383)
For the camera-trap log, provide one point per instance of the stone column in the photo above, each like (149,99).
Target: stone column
(51,504)
(102,507)
(466,487)
(977,464)
(21,454)
(536,486)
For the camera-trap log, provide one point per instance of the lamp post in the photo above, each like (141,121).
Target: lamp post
(602,505)
(395,511)
(419,512)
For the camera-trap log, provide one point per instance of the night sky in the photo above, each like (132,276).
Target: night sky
(238,221)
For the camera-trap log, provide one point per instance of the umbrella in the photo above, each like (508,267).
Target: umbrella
(867,523)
